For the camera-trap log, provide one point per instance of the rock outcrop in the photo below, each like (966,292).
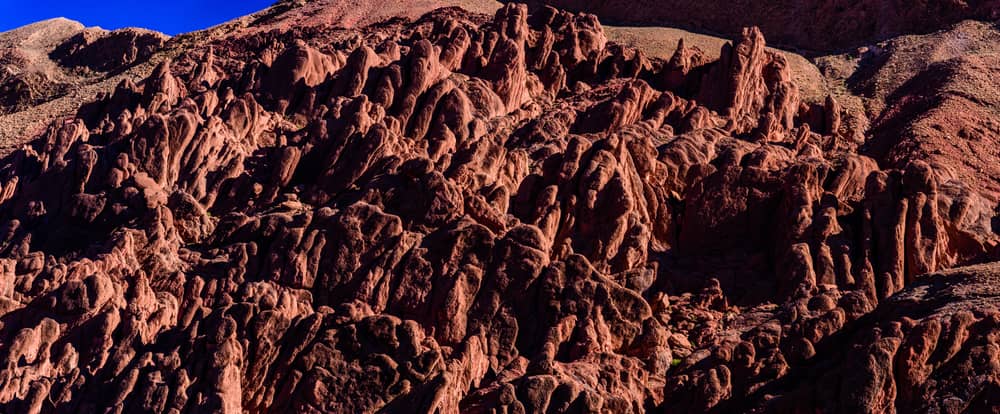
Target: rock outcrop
(465,213)
(49,68)
(104,51)
(27,76)
(929,348)
(816,25)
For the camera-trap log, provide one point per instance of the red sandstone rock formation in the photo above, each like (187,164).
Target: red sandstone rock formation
(50,68)
(929,348)
(466,213)
(817,25)
(104,51)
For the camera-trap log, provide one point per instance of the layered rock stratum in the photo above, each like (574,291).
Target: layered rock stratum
(352,206)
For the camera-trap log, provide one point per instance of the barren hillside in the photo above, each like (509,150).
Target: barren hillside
(339,206)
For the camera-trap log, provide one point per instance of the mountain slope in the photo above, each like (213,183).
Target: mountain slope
(47,69)
(315,208)
(814,25)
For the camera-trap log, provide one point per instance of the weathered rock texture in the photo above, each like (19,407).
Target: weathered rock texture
(815,25)
(37,62)
(48,69)
(465,213)
(930,348)
(104,51)
(27,75)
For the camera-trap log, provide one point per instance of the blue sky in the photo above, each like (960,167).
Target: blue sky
(168,16)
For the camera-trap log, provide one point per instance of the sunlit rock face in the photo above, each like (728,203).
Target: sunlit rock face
(478,213)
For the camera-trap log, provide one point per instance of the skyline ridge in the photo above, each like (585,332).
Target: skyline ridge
(172,18)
